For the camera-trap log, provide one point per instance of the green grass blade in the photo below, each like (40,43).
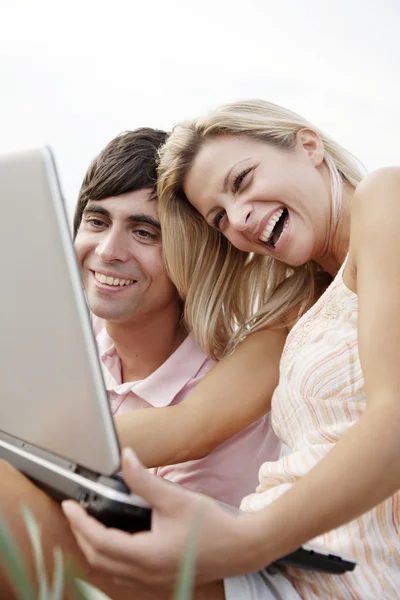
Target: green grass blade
(184,586)
(35,537)
(72,575)
(58,576)
(14,565)
(79,588)
(89,592)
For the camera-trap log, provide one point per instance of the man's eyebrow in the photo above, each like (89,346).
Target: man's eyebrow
(96,208)
(93,207)
(143,218)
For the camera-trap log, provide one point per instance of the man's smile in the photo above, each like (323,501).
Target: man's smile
(109,281)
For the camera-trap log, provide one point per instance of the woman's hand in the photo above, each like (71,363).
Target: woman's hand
(225,545)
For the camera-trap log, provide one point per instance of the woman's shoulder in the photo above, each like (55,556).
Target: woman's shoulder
(378,181)
(376,199)
(375,218)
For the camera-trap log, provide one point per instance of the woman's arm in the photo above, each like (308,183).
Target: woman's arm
(236,392)
(360,472)
(364,467)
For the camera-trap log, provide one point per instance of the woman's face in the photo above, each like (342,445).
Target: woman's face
(264,199)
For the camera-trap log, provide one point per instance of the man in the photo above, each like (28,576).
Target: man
(147,357)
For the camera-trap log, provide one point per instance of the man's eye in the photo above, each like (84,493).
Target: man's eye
(96,223)
(240,178)
(142,233)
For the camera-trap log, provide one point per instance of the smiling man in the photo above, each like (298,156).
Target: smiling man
(135,308)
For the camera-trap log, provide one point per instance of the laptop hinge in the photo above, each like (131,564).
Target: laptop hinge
(86,473)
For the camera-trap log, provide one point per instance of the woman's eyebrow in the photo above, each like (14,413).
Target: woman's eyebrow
(226,180)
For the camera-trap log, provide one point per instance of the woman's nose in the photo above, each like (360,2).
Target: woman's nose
(239,216)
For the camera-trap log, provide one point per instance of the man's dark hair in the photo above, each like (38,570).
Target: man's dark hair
(127,164)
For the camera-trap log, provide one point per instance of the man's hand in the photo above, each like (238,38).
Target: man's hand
(225,545)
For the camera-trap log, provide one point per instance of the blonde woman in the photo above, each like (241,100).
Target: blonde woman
(265,210)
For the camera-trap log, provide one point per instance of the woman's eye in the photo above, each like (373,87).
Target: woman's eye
(240,178)
(217,219)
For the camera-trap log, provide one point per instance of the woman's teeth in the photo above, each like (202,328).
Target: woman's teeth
(266,234)
(111,281)
(286,225)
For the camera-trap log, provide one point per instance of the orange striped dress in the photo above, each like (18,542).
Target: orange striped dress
(319,397)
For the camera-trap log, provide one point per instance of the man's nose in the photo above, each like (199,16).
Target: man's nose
(112,247)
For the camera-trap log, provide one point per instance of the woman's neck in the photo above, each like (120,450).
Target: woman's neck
(339,240)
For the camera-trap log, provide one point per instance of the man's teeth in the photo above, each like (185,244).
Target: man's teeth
(111,281)
(266,234)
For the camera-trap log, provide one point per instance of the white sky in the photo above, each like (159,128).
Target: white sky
(75,74)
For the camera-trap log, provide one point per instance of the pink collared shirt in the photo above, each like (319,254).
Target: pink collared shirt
(228,473)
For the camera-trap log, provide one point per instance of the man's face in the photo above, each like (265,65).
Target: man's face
(118,246)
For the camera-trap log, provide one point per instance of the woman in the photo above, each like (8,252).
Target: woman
(256,178)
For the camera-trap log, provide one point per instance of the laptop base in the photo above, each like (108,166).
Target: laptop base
(105,498)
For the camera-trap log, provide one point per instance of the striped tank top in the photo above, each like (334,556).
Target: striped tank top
(320,395)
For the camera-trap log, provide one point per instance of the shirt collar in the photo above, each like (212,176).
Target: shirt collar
(159,388)
(105,344)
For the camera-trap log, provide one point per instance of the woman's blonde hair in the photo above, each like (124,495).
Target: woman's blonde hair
(229,293)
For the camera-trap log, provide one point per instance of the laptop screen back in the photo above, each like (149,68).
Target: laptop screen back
(52,391)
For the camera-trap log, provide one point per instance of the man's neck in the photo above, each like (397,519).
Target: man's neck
(144,345)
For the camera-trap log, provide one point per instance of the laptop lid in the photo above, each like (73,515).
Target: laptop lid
(52,390)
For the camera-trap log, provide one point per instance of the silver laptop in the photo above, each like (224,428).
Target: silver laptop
(55,422)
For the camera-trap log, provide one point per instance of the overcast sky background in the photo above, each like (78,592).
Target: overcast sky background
(75,74)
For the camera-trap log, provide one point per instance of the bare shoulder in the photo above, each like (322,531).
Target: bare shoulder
(375,217)
(376,200)
(378,178)
(382,185)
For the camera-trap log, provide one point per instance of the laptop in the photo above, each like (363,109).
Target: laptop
(55,420)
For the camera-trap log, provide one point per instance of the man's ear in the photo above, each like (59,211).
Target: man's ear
(310,141)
